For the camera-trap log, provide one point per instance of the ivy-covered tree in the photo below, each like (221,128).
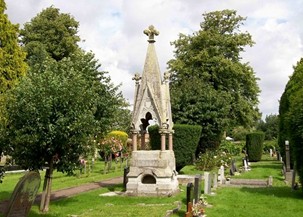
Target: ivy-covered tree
(210,85)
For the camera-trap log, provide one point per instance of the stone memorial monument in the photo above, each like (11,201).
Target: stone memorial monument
(152,172)
(24,195)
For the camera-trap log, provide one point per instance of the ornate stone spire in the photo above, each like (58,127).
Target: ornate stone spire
(151,32)
(152,98)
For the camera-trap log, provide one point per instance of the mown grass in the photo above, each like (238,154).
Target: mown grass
(276,201)
(61,180)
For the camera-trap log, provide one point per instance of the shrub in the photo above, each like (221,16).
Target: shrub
(239,133)
(270,144)
(185,141)
(233,148)
(254,146)
(212,159)
(122,136)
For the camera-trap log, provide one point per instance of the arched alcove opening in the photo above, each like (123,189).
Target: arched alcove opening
(145,121)
(148,179)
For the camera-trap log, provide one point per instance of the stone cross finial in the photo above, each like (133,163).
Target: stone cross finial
(151,32)
(137,78)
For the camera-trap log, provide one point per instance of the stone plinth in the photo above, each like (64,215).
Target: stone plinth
(152,173)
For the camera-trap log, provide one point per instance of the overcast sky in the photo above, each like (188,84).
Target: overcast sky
(113,30)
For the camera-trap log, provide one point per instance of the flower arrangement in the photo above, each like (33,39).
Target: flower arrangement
(198,208)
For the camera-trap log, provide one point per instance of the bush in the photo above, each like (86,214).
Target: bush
(270,144)
(185,141)
(213,159)
(239,133)
(233,148)
(122,136)
(254,146)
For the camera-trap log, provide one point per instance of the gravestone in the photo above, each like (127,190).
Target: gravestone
(207,183)
(215,180)
(189,194)
(222,177)
(245,165)
(270,153)
(197,187)
(24,195)
(293,180)
(233,168)
(126,171)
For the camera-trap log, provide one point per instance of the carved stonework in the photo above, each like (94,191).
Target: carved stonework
(151,32)
(152,172)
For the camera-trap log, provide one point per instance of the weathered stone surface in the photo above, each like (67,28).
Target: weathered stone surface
(166,177)
(24,195)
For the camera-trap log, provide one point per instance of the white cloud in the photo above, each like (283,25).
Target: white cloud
(113,30)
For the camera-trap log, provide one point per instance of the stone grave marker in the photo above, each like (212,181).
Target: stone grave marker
(215,180)
(270,152)
(24,195)
(126,171)
(197,188)
(207,183)
(189,194)
(233,168)
(222,177)
(245,165)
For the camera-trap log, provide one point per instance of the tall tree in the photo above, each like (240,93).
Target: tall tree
(12,65)
(50,33)
(270,126)
(51,120)
(63,104)
(291,120)
(210,85)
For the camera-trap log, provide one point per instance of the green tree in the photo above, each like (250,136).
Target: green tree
(270,126)
(50,33)
(210,85)
(65,103)
(291,121)
(51,119)
(12,65)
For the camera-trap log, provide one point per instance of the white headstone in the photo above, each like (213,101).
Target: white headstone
(270,153)
(222,178)
(207,183)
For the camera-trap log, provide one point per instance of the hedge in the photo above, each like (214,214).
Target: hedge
(185,142)
(254,145)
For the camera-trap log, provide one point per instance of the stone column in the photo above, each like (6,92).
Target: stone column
(143,140)
(287,156)
(170,141)
(163,138)
(134,138)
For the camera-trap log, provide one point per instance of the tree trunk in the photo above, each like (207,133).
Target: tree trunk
(45,199)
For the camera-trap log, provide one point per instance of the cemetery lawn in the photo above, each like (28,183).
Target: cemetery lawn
(276,201)
(61,181)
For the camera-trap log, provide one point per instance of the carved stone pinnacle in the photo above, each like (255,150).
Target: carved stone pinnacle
(137,78)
